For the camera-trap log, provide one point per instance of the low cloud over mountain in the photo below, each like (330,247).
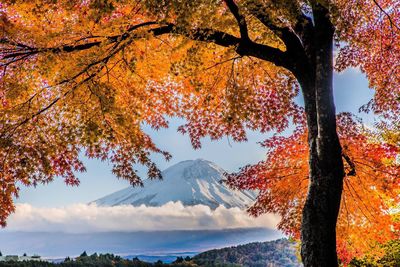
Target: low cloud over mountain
(83,218)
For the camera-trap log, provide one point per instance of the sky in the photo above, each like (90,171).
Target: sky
(56,207)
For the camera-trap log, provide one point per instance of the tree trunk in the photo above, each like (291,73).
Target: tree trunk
(321,209)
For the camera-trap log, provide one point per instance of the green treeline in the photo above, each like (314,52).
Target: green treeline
(97,260)
(280,253)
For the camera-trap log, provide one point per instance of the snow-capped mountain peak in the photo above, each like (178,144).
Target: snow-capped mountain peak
(191,182)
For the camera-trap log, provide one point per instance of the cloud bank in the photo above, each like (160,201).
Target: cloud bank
(83,218)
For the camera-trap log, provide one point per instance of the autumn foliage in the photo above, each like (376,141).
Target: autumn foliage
(83,77)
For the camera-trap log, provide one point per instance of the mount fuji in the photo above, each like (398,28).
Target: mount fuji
(192,182)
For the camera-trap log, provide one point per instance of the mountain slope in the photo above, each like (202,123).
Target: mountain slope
(280,253)
(191,182)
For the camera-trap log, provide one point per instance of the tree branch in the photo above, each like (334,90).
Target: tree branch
(239,18)
(352,166)
(297,42)
(392,23)
(9,132)
(261,12)
(247,48)
(30,51)
(304,29)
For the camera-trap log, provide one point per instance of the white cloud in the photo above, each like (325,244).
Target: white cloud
(82,218)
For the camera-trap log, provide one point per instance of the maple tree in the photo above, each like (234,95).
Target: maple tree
(85,75)
(371,186)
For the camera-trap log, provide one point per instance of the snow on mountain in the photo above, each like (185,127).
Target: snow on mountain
(191,182)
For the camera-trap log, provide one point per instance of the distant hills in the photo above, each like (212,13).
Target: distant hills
(192,182)
(278,253)
(151,243)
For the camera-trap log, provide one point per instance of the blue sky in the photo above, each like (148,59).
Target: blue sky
(351,91)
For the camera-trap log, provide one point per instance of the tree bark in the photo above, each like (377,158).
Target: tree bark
(321,209)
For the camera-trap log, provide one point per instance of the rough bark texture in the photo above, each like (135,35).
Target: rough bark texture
(318,233)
